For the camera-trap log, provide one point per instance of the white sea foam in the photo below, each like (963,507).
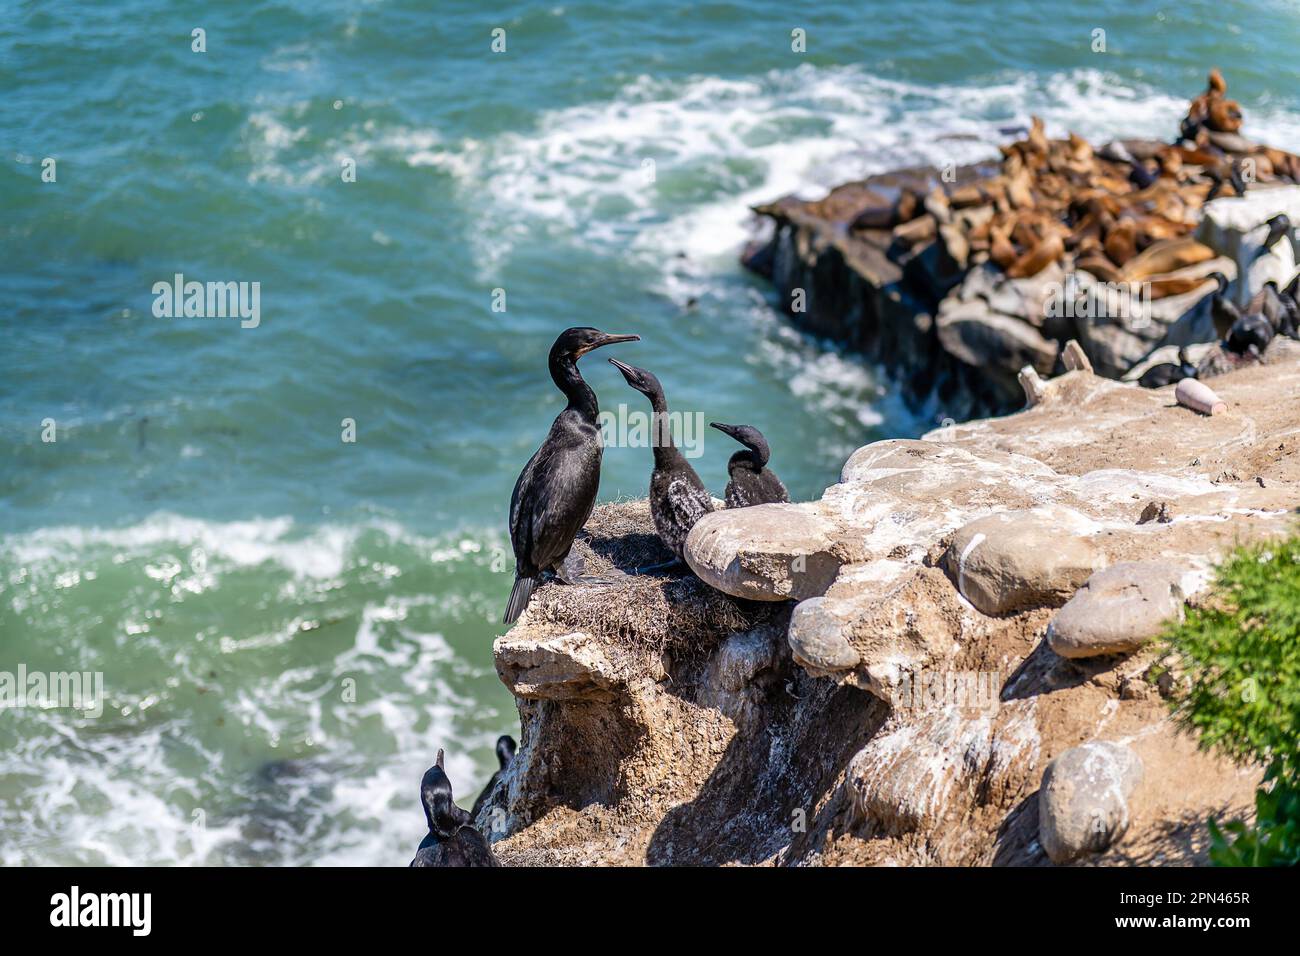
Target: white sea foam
(346,791)
(319,553)
(720,144)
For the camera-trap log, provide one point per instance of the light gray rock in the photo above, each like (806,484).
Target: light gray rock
(1017,560)
(773,552)
(573,666)
(1117,610)
(1232,227)
(975,333)
(1117,331)
(912,771)
(818,641)
(736,667)
(1230,142)
(1083,803)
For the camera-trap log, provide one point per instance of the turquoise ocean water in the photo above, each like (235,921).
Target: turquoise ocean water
(199,532)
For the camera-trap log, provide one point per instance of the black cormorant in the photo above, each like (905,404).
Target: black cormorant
(751,481)
(1167,373)
(678,498)
(505,753)
(1223,310)
(1291,307)
(1276,306)
(557,489)
(451,840)
(1251,331)
(1278,227)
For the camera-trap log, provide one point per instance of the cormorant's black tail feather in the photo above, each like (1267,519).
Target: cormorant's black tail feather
(519,595)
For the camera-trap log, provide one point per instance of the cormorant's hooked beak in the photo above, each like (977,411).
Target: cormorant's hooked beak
(438,763)
(725,429)
(606,340)
(628,371)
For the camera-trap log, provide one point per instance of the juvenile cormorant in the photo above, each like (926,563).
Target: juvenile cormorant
(751,481)
(557,489)
(1167,373)
(451,840)
(505,753)
(678,498)
(1223,310)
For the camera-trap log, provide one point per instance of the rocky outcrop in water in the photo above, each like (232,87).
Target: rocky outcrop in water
(956,283)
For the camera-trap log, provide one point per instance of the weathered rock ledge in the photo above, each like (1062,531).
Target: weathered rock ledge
(885,675)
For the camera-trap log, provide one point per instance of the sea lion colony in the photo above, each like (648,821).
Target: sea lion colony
(1122,213)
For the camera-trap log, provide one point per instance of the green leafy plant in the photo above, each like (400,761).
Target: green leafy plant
(1275,838)
(1239,655)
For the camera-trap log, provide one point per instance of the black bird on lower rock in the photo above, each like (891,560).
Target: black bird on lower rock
(1223,310)
(1168,373)
(1251,331)
(678,498)
(452,839)
(556,491)
(506,747)
(1276,306)
(751,481)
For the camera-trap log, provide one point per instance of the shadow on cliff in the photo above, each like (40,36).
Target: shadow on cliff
(774,785)
(1044,671)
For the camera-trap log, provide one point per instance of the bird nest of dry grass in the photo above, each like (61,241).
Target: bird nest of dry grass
(653,612)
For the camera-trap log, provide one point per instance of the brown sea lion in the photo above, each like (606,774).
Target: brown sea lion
(874,217)
(1169,255)
(1037,139)
(1048,250)
(1099,266)
(1121,242)
(916,231)
(1164,286)
(1224,116)
(879,215)
(1080,148)
(1001,251)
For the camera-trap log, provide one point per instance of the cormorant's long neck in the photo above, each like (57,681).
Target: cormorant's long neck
(666,452)
(567,378)
(748,460)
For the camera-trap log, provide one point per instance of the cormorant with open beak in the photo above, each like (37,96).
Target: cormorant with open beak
(451,840)
(557,489)
(751,481)
(678,498)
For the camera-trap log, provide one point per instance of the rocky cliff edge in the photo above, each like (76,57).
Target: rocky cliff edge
(946,659)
